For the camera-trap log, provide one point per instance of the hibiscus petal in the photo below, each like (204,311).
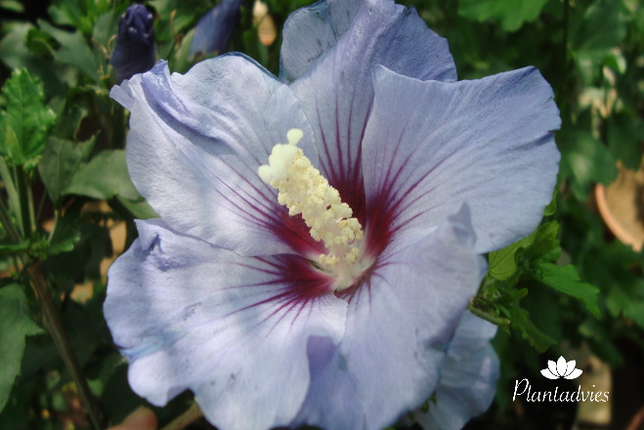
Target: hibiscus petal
(468,382)
(331,48)
(409,46)
(472,334)
(332,401)
(232,329)
(399,325)
(196,142)
(430,146)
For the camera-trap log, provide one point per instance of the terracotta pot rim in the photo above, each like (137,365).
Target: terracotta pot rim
(613,224)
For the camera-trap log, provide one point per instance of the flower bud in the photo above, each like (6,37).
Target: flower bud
(134,51)
(214,29)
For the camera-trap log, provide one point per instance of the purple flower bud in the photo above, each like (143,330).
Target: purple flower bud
(134,52)
(215,28)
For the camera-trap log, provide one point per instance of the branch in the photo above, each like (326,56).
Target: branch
(55,328)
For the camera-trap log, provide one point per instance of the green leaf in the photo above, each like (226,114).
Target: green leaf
(140,209)
(13,50)
(117,397)
(104,177)
(542,244)
(66,14)
(81,14)
(600,26)
(519,319)
(625,132)
(66,234)
(187,12)
(585,159)
(84,326)
(15,324)
(61,160)
(181,60)
(83,262)
(566,280)
(16,413)
(106,26)
(12,5)
(73,50)
(627,299)
(615,268)
(511,13)
(602,342)
(13,248)
(40,43)
(26,121)
(15,54)
(502,263)
(552,206)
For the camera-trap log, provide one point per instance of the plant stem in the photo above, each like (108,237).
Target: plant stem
(5,219)
(41,206)
(54,326)
(52,321)
(26,204)
(51,317)
(8,184)
(118,125)
(563,84)
(500,321)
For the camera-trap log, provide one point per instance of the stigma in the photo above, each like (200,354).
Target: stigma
(303,190)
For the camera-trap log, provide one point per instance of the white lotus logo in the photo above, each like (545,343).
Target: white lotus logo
(561,369)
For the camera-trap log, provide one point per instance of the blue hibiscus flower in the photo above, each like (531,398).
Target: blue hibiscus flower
(321,233)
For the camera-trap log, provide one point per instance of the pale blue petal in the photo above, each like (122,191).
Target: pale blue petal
(399,326)
(468,382)
(430,146)
(196,142)
(232,329)
(333,401)
(214,29)
(380,31)
(472,334)
(330,50)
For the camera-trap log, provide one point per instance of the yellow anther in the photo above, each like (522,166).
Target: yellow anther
(303,190)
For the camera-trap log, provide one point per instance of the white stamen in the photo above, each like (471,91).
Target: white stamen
(303,190)
(294,136)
